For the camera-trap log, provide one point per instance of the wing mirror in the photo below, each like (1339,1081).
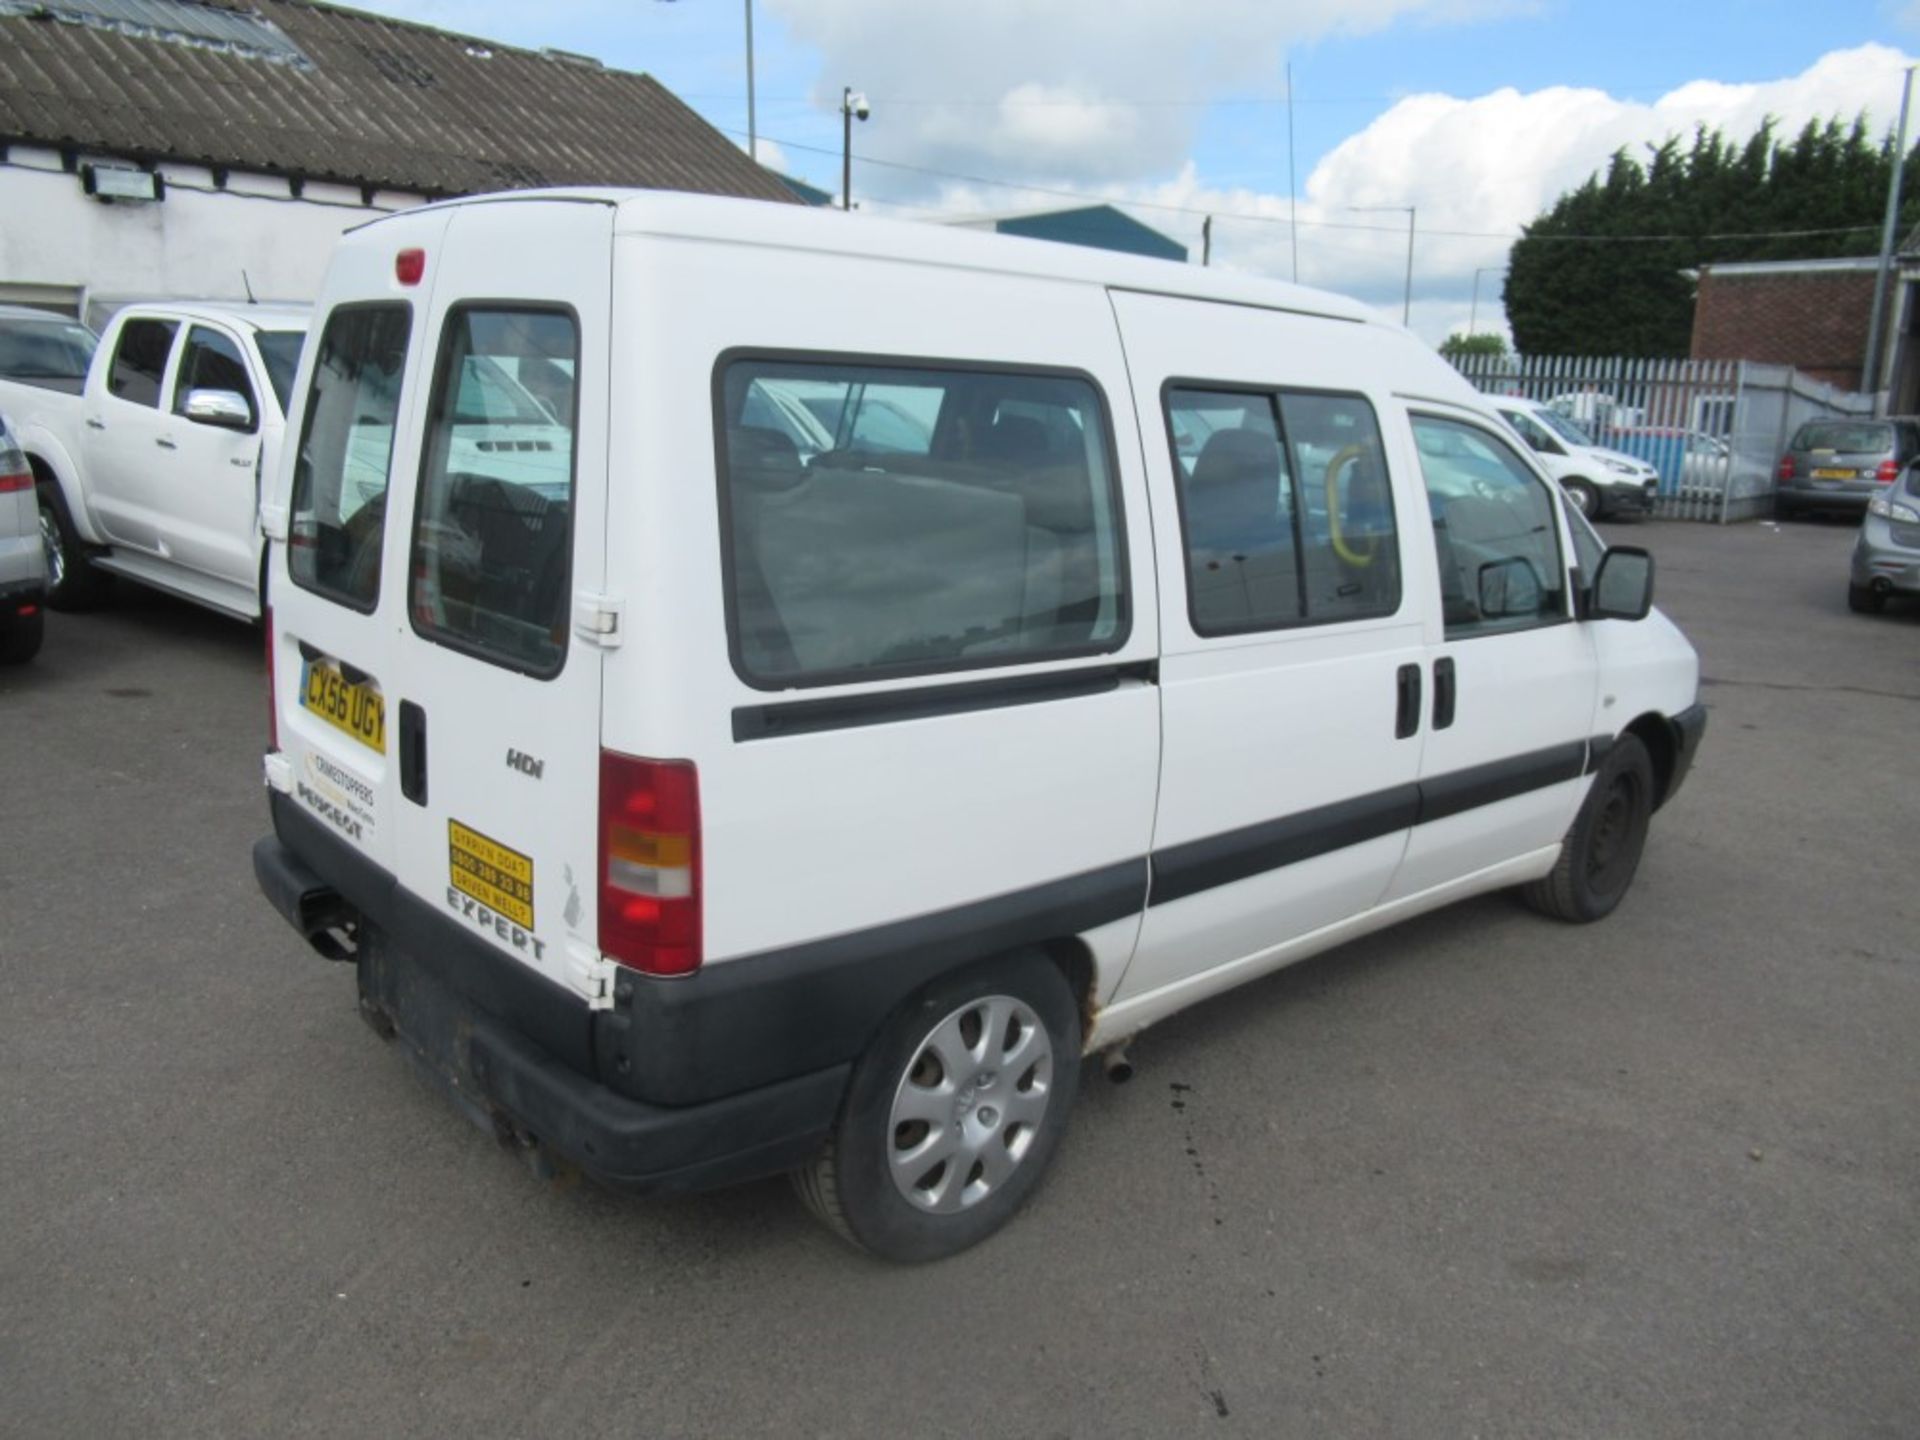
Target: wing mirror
(1622,586)
(223,409)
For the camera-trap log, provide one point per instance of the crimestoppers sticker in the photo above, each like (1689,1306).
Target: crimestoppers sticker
(499,878)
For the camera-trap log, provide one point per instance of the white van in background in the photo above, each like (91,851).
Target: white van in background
(903,662)
(1602,483)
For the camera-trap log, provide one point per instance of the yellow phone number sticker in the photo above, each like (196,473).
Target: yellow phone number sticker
(498,877)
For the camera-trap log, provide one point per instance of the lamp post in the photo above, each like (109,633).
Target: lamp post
(1870,372)
(753,144)
(1473,315)
(853,105)
(1406,309)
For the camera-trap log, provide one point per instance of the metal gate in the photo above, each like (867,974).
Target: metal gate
(1714,429)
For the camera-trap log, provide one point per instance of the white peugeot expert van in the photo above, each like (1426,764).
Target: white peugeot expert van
(895,663)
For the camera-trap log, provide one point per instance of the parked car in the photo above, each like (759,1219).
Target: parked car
(744,812)
(1602,483)
(1840,465)
(152,470)
(1886,556)
(23,563)
(38,347)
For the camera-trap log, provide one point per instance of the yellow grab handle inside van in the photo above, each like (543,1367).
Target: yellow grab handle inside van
(1361,553)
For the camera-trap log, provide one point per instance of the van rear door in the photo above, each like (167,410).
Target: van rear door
(335,575)
(497,721)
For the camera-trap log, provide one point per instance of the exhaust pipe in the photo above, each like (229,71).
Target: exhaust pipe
(1114,1061)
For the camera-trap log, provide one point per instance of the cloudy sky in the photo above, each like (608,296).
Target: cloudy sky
(1475,112)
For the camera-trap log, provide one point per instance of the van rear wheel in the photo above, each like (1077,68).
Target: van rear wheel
(952,1114)
(1602,850)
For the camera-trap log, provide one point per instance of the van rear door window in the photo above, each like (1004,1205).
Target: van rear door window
(346,442)
(889,519)
(492,534)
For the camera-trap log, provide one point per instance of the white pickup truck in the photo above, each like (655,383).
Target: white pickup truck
(152,471)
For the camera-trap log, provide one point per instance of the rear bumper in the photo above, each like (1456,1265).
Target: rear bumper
(1835,495)
(1881,563)
(20,598)
(471,1026)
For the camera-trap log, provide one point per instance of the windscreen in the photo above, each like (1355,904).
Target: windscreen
(1845,437)
(45,349)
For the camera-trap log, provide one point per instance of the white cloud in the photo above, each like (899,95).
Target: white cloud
(1080,90)
(1476,170)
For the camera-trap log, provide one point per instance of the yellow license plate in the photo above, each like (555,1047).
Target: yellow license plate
(1833,474)
(356,710)
(496,875)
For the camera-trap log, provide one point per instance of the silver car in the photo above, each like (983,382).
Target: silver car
(23,560)
(1840,465)
(1886,557)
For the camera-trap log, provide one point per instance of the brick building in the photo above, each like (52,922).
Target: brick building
(1813,315)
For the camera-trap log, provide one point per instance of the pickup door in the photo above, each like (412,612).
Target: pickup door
(122,440)
(206,491)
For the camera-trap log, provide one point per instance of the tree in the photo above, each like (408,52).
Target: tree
(1455,346)
(1602,271)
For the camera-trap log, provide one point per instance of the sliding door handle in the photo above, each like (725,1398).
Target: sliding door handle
(1407,716)
(1443,692)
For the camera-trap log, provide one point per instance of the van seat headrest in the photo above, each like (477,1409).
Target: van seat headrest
(763,458)
(1237,457)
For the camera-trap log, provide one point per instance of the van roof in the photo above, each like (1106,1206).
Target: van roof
(757,222)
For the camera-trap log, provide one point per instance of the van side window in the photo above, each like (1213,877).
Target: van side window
(212,362)
(1494,528)
(1285,507)
(892,520)
(140,361)
(346,443)
(493,531)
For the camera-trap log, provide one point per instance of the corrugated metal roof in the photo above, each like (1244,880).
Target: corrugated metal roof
(380,102)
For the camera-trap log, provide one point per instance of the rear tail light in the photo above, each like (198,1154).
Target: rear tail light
(1786,467)
(11,484)
(273,708)
(1888,472)
(650,864)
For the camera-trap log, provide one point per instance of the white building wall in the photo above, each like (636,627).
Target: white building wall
(192,245)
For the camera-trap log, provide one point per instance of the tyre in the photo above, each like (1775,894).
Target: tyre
(72,584)
(1602,850)
(1865,600)
(952,1114)
(1584,497)
(20,641)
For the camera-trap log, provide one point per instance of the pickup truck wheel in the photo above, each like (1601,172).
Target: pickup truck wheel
(1602,850)
(20,641)
(72,584)
(1583,496)
(952,1114)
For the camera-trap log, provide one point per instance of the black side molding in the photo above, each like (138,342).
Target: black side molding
(1183,870)
(924,702)
(1463,790)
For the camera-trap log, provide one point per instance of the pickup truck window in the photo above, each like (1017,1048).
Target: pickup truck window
(346,446)
(906,518)
(280,349)
(140,361)
(1285,509)
(492,535)
(212,362)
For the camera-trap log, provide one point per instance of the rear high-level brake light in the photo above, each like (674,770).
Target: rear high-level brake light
(1888,472)
(1786,467)
(409,266)
(650,864)
(273,709)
